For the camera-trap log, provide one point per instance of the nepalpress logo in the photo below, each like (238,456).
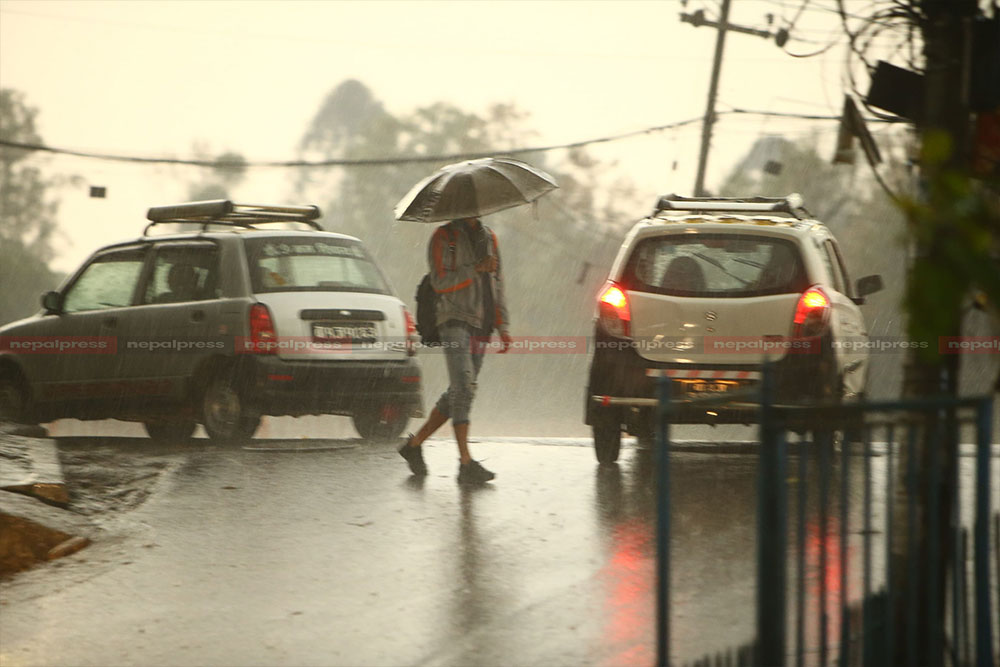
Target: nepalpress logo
(58,344)
(969,345)
(880,344)
(695,345)
(534,344)
(307,345)
(762,345)
(139,345)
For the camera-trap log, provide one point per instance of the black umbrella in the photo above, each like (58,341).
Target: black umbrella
(473,188)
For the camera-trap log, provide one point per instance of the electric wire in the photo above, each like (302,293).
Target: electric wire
(407,159)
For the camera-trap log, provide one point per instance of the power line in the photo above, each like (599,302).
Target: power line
(361,162)
(407,159)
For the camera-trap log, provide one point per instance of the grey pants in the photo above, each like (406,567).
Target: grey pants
(463,354)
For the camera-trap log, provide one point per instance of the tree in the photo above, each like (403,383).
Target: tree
(27,214)
(549,251)
(228,171)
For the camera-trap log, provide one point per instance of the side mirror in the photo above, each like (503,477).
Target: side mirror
(869,285)
(52,302)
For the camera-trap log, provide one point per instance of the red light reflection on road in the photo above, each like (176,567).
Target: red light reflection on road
(630,606)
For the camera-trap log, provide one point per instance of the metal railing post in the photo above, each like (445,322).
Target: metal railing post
(800,589)
(981,539)
(845,517)
(771,532)
(663,415)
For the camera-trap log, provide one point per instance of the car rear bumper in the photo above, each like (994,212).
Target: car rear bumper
(620,373)
(322,387)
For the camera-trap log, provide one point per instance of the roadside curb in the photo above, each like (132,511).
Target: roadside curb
(30,464)
(33,528)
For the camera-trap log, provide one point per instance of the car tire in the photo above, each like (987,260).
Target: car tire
(607,430)
(382,423)
(170,431)
(13,401)
(225,413)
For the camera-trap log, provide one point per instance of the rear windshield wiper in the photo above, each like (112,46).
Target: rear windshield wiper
(717,263)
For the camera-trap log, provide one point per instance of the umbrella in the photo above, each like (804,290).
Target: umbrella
(473,188)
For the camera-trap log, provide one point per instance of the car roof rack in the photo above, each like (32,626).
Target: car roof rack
(225,212)
(792,205)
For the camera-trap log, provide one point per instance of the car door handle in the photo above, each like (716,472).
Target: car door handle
(198,316)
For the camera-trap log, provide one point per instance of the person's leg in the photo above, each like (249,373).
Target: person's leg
(462,438)
(434,421)
(411,449)
(471,471)
(461,387)
(476,350)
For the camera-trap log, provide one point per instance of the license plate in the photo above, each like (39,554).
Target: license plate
(708,387)
(355,332)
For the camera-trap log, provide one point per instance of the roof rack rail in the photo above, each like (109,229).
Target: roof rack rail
(792,204)
(225,212)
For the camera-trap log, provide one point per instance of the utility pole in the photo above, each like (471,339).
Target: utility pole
(723,26)
(713,89)
(945,113)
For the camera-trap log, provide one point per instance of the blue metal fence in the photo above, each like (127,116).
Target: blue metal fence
(862,630)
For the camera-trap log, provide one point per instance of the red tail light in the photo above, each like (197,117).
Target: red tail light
(411,332)
(613,311)
(812,314)
(262,334)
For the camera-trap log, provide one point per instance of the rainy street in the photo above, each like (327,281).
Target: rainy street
(326,552)
(692,308)
(310,551)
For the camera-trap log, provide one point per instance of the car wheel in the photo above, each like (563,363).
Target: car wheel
(171,431)
(383,423)
(13,401)
(607,431)
(225,414)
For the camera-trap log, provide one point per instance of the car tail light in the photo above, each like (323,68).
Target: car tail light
(411,333)
(613,311)
(262,334)
(812,314)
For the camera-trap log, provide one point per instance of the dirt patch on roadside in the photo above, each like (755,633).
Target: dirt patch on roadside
(102,482)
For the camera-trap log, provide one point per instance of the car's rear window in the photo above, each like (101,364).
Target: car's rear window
(297,264)
(715,265)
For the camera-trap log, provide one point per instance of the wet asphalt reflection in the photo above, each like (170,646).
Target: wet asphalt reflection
(327,552)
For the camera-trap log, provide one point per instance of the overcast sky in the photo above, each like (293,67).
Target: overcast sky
(155,78)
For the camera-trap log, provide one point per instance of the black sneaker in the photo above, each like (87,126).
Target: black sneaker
(414,457)
(473,473)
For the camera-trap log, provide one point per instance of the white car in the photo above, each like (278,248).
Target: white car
(215,317)
(705,290)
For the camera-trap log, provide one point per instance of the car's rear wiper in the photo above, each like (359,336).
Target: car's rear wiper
(717,263)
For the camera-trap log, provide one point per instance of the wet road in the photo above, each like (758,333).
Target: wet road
(325,552)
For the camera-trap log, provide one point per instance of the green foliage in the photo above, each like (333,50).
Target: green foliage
(27,214)
(956,227)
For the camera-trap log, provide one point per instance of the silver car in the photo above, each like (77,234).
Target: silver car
(218,314)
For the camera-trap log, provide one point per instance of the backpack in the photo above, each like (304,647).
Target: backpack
(427,313)
(427,306)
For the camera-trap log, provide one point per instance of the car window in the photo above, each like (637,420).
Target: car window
(833,267)
(839,262)
(715,265)
(108,282)
(298,264)
(183,272)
